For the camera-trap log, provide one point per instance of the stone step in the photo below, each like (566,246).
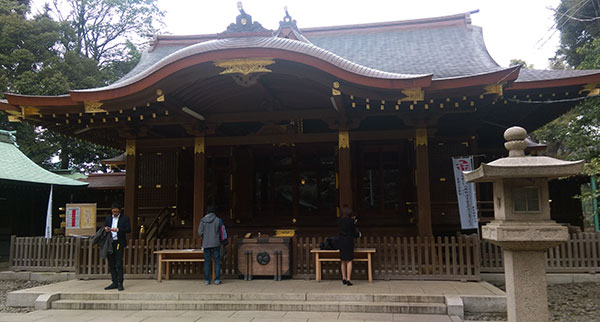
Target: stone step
(324,297)
(253,305)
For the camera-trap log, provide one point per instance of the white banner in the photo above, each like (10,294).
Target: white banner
(465,193)
(48,233)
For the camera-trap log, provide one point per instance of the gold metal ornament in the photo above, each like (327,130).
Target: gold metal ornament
(93,107)
(245,66)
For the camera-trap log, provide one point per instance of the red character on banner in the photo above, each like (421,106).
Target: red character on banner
(462,165)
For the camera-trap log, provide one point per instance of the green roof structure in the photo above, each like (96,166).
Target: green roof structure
(16,166)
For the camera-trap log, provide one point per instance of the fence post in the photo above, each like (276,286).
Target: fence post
(77,250)
(11,255)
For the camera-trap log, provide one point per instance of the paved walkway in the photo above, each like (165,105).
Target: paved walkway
(213,316)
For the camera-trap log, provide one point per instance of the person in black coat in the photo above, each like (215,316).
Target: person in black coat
(117,225)
(347,233)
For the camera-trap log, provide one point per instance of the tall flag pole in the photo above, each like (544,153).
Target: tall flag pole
(49,215)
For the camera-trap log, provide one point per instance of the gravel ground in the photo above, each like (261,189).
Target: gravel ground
(9,286)
(579,302)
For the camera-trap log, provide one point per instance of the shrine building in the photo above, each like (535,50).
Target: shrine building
(280,128)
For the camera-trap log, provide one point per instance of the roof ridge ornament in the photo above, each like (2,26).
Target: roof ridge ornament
(244,25)
(288,28)
(8,137)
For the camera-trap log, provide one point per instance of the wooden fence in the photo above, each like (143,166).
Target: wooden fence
(41,254)
(447,258)
(139,260)
(431,258)
(580,254)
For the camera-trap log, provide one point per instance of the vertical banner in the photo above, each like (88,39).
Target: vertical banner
(48,232)
(465,193)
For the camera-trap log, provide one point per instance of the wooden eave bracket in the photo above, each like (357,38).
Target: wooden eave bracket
(26,111)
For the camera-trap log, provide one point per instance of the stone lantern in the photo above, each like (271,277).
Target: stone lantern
(522,225)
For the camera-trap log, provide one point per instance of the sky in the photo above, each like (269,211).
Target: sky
(521,29)
(512,29)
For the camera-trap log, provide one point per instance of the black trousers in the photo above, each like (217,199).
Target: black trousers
(115,263)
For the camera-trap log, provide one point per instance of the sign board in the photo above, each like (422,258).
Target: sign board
(465,193)
(80,219)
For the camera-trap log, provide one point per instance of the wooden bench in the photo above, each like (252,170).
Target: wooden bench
(177,255)
(360,255)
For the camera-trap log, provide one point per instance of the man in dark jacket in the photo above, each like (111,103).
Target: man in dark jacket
(209,230)
(117,225)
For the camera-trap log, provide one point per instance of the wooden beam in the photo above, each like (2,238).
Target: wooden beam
(130,185)
(271,116)
(199,166)
(271,139)
(423,191)
(344,170)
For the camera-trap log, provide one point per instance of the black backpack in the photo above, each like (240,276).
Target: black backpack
(329,244)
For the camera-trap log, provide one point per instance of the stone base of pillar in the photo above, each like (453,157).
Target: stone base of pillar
(526,287)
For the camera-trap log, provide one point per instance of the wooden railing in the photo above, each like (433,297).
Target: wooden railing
(447,258)
(41,254)
(580,254)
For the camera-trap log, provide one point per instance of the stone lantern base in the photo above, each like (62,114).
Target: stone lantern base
(524,245)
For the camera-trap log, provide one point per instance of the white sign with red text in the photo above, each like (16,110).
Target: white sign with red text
(465,193)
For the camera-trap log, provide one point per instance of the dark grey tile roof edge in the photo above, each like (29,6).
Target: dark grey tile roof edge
(257,42)
(533,75)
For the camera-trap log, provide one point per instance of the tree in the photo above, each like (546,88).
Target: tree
(575,134)
(108,31)
(38,57)
(579,25)
(515,62)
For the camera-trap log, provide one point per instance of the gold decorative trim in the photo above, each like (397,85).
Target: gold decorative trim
(493,89)
(245,66)
(343,140)
(14,116)
(199,144)
(592,88)
(30,110)
(335,92)
(93,107)
(421,137)
(412,94)
(130,147)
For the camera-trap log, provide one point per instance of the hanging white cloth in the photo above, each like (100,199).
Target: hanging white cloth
(48,233)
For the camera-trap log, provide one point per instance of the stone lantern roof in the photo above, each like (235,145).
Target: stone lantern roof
(518,165)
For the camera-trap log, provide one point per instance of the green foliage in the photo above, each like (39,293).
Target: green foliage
(105,28)
(578,25)
(515,62)
(575,136)
(88,48)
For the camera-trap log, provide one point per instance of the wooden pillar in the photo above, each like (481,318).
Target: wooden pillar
(130,185)
(422,173)
(344,168)
(199,160)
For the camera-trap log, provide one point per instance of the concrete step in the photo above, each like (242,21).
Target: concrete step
(323,297)
(253,305)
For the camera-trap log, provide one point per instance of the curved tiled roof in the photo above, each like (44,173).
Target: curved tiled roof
(445,51)
(533,75)
(14,165)
(289,45)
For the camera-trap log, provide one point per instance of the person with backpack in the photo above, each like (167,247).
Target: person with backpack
(210,231)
